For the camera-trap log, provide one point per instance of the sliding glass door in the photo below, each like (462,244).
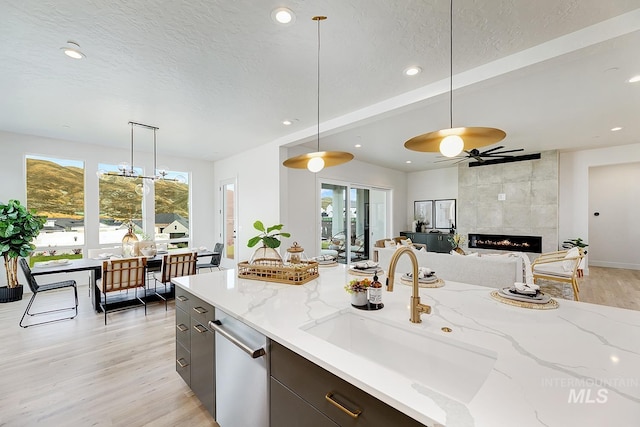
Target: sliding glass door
(352,219)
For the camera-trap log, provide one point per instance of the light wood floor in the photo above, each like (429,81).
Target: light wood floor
(82,373)
(605,286)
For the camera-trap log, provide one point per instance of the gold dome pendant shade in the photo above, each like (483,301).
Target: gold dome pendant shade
(331,158)
(472,137)
(318,160)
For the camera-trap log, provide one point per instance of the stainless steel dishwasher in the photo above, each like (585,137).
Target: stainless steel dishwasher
(241,373)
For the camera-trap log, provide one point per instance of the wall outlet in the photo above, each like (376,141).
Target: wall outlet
(502,196)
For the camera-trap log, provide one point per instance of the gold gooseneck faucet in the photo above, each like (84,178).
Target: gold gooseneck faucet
(416,308)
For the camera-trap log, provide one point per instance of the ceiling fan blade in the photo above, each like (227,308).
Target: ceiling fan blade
(492,149)
(509,151)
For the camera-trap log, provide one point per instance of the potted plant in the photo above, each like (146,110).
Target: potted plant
(267,253)
(357,288)
(18,227)
(457,241)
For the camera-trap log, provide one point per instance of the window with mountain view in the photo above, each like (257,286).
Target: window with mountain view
(120,201)
(55,189)
(172,208)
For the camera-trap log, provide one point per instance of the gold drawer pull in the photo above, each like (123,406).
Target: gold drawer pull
(200,310)
(183,298)
(201,329)
(182,328)
(182,363)
(353,414)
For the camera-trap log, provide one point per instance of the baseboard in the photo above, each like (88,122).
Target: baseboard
(623,265)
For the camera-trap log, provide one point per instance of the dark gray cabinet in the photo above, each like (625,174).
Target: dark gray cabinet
(195,347)
(321,397)
(436,242)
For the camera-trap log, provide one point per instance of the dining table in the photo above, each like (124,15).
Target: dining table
(94,267)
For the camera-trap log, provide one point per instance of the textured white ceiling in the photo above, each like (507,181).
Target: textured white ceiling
(218,77)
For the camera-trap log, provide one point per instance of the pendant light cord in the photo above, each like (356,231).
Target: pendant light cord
(451,64)
(318,89)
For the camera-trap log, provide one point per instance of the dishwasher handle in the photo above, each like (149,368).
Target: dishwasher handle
(216,325)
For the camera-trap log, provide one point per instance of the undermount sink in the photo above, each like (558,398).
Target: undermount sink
(440,363)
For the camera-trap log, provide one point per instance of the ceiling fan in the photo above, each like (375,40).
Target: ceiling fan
(480,155)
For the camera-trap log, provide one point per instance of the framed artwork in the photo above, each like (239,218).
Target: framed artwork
(445,213)
(423,212)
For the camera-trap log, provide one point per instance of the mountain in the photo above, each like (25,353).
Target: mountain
(57,191)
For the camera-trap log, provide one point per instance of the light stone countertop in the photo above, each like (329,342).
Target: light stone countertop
(575,365)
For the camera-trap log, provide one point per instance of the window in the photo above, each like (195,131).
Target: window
(120,200)
(55,189)
(172,209)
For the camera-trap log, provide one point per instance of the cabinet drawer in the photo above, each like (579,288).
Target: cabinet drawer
(183,299)
(183,363)
(289,410)
(313,384)
(183,322)
(201,311)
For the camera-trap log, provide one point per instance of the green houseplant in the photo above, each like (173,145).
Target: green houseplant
(269,237)
(18,227)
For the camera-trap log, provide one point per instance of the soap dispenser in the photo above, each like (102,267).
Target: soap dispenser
(375,294)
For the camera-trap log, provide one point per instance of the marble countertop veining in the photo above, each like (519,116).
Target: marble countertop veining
(575,365)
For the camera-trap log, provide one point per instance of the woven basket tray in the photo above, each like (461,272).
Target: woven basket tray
(271,271)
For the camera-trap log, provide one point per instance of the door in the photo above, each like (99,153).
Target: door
(613,216)
(229,221)
(334,233)
(353,218)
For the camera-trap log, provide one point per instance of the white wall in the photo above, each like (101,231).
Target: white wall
(573,191)
(430,185)
(301,188)
(257,173)
(14,147)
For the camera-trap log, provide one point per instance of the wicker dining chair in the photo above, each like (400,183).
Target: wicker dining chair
(121,275)
(174,265)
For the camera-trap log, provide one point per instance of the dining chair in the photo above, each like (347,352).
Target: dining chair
(214,262)
(122,275)
(559,266)
(37,288)
(174,265)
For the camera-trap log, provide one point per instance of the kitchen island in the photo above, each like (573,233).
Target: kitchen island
(577,365)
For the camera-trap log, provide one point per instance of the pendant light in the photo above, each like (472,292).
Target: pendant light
(318,160)
(450,142)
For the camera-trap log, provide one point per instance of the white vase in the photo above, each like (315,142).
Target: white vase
(359,298)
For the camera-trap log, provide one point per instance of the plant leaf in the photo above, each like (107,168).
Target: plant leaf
(254,241)
(271,242)
(258,225)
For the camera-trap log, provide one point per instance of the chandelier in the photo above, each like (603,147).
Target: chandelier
(127,169)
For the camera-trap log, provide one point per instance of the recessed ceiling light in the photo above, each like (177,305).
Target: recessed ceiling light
(634,79)
(358,145)
(412,71)
(287,122)
(408,161)
(284,16)
(73,50)
(615,129)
